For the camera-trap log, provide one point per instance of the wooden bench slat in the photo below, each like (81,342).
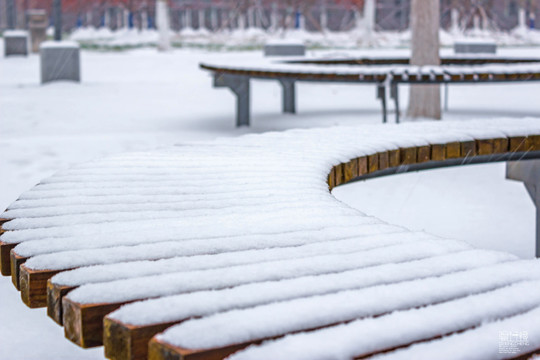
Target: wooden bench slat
(5,257)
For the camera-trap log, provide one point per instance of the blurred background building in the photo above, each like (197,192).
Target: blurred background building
(312,15)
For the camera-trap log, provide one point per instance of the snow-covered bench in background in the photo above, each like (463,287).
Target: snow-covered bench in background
(238,242)
(385,73)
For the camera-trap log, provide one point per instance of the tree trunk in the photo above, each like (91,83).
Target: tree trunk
(162,22)
(425,100)
(369,17)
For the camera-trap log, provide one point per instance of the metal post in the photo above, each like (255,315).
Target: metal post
(289,95)
(529,173)
(239,85)
(381,94)
(394,94)
(11,11)
(57,20)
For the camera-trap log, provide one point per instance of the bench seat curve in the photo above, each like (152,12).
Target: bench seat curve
(235,248)
(386,73)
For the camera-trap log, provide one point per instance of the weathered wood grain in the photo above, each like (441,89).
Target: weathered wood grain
(500,145)
(338,171)
(384,160)
(55,294)
(362,165)
(438,152)
(33,285)
(393,158)
(16,261)
(373,163)
(5,257)
(331,179)
(423,154)
(468,149)
(350,170)
(129,342)
(407,156)
(83,323)
(159,350)
(485,146)
(453,150)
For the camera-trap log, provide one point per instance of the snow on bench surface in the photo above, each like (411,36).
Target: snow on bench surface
(269,68)
(233,244)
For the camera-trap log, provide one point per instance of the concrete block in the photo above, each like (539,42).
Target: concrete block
(475,47)
(60,60)
(284,49)
(15,43)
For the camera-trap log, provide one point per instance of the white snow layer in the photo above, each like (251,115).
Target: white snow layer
(241,240)
(368,334)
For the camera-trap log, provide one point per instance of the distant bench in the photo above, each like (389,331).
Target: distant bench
(238,241)
(383,72)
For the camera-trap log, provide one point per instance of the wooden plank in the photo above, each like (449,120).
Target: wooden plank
(500,145)
(158,350)
(34,286)
(393,158)
(518,144)
(331,179)
(129,342)
(407,156)
(485,146)
(16,261)
(373,163)
(468,148)
(535,142)
(453,150)
(2,221)
(362,165)
(5,257)
(55,294)
(350,170)
(83,323)
(423,154)
(384,160)
(438,152)
(338,171)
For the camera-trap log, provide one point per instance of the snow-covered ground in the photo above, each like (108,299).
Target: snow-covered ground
(141,100)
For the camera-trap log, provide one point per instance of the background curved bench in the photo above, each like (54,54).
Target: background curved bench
(215,235)
(383,72)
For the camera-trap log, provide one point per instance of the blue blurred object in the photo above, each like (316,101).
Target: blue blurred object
(297,20)
(130,20)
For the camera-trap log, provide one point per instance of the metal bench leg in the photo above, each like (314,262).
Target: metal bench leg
(289,95)
(528,171)
(381,94)
(239,85)
(394,94)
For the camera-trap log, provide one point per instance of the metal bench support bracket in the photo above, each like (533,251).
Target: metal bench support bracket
(381,94)
(529,173)
(289,95)
(394,94)
(239,85)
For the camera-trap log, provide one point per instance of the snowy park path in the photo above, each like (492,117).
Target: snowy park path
(237,241)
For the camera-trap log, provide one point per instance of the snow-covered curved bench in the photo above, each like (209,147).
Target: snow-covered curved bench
(386,73)
(238,242)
